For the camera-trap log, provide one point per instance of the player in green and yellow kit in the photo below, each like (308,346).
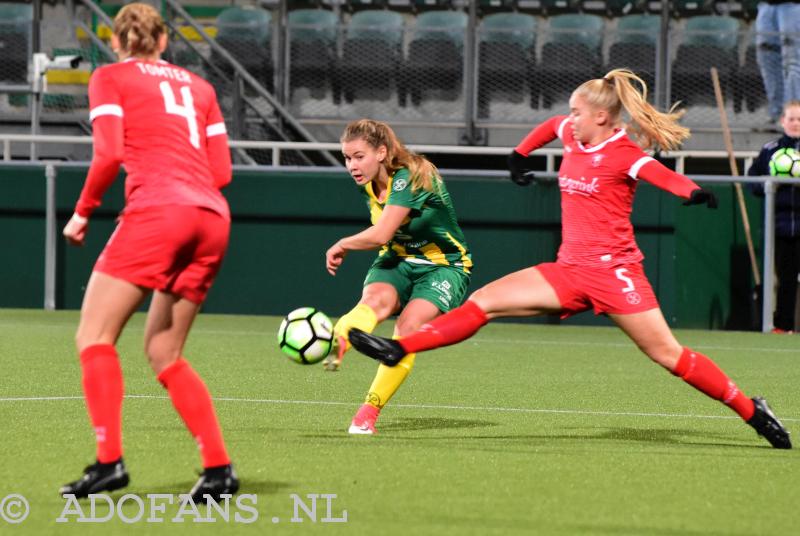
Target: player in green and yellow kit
(424,264)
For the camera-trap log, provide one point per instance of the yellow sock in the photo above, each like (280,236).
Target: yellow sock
(388,380)
(361,316)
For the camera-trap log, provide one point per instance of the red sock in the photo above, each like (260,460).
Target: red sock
(704,375)
(103,389)
(459,324)
(193,402)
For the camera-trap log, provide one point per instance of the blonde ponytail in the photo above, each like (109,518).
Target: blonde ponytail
(615,92)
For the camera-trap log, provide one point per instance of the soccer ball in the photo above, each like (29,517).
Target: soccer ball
(785,162)
(306,335)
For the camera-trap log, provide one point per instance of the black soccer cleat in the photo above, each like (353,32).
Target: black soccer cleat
(387,351)
(214,482)
(768,426)
(96,478)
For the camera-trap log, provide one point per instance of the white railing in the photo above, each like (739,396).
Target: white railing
(277,146)
(770,184)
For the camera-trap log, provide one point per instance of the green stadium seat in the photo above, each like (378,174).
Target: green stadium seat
(15,41)
(708,41)
(246,33)
(571,54)
(634,46)
(372,53)
(312,39)
(435,55)
(506,57)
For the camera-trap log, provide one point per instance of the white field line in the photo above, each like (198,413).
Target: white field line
(490,409)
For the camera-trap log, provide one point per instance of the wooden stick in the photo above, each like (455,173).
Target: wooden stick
(726,134)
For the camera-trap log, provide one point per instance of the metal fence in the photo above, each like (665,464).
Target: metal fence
(431,68)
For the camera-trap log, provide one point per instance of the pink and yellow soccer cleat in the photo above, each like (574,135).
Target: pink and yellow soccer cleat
(364,421)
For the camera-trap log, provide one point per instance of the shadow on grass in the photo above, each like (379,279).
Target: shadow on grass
(259,487)
(432,423)
(410,424)
(655,436)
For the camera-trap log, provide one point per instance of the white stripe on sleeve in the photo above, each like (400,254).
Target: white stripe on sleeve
(560,131)
(215,130)
(105,109)
(634,171)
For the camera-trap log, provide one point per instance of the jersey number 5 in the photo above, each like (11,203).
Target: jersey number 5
(620,272)
(185,110)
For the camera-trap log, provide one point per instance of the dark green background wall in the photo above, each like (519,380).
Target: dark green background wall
(283,222)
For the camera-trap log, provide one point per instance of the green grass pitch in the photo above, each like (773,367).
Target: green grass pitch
(524,429)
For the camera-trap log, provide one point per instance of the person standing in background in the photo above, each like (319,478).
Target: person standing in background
(787,219)
(778,52)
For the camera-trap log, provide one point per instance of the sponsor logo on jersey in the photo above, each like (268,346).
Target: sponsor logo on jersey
(579,186)
(398,185)
(597,159)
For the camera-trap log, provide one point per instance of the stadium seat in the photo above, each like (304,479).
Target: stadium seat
(570,56)
(748,86)
(708,41)
(634,46)
(435,55)
(506,54)
(15,41)
(246,33)
(372,53)
(311,34)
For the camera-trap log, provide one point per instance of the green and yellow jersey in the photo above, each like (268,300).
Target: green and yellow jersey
(430,234)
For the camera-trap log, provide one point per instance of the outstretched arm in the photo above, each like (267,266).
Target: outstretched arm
(661,176)
(370,238)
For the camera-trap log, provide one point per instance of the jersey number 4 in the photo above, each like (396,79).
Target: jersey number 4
(185,110)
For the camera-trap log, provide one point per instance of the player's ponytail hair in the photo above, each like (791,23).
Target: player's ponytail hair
(138,27)
(616,91)
(423,174)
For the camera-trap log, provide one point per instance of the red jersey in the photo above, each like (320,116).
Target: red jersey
(597,186)
(163,123)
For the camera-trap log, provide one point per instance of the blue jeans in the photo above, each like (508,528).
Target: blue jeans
(778,53)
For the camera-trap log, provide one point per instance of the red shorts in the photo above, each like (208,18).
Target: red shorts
(621,289)
(176,249)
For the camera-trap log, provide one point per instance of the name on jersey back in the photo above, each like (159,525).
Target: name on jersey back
(165,71)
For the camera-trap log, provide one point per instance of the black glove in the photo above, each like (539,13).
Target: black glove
(521,169)
(702,197)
